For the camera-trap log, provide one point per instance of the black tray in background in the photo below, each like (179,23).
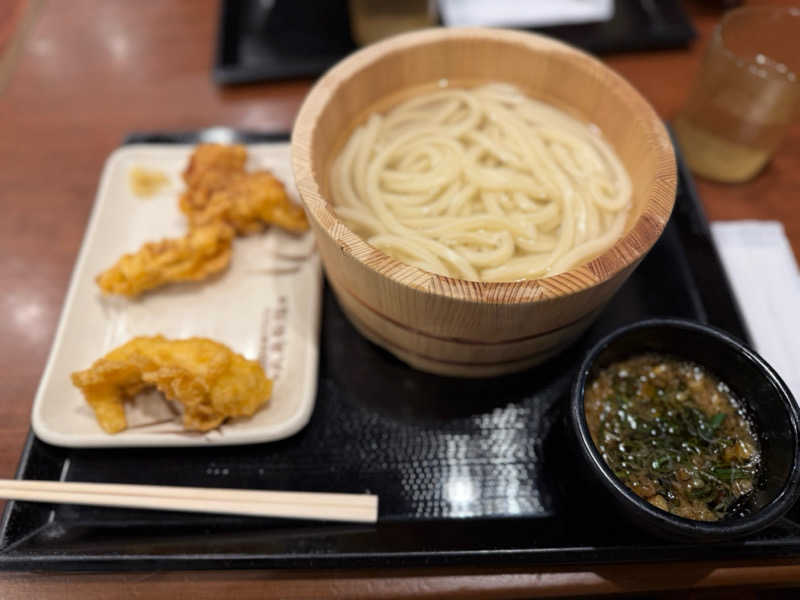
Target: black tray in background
(260,41)
(468,471)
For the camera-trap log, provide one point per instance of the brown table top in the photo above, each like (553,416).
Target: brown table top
(86,73)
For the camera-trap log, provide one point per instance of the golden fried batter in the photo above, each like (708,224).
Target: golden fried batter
(221,199)
(211,162)
(208,379)
(219,189)
(249,202)
(202,252)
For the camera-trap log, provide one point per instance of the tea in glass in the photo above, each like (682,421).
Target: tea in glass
(746,95)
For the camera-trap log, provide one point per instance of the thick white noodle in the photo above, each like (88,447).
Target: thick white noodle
(483,184)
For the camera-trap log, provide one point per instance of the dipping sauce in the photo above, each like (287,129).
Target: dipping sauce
(674,435)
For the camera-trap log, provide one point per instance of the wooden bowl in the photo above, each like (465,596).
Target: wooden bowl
(467,328)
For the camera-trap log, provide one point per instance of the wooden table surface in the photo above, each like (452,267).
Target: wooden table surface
(75,77)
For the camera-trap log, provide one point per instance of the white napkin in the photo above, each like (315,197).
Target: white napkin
(765,278)
(524,13)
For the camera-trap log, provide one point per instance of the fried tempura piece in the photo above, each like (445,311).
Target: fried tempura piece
(202,252)
(219,189)
(221,199)
(248,203)
(211,168)
(217,160)
(209,380)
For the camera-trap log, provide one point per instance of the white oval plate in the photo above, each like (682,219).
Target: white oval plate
(266,306)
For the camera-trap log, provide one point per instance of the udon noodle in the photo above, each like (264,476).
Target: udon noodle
(484,184)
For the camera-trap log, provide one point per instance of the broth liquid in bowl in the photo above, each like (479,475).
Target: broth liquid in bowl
(674,435)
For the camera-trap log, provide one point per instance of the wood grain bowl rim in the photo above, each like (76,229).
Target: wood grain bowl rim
(659,196)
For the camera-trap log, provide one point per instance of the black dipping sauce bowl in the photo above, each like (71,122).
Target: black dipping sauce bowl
(766,399)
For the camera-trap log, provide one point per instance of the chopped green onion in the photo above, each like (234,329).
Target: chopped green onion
(732,473)
(717,420)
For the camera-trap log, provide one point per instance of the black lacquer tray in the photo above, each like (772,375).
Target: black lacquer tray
(468,471)
(259,41)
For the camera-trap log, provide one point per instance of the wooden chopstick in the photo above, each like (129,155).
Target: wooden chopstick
(361,508)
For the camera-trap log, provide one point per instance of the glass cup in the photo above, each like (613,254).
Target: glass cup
(373,20)
(745,96)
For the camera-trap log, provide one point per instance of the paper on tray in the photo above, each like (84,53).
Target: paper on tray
(764,275)
(524,13)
